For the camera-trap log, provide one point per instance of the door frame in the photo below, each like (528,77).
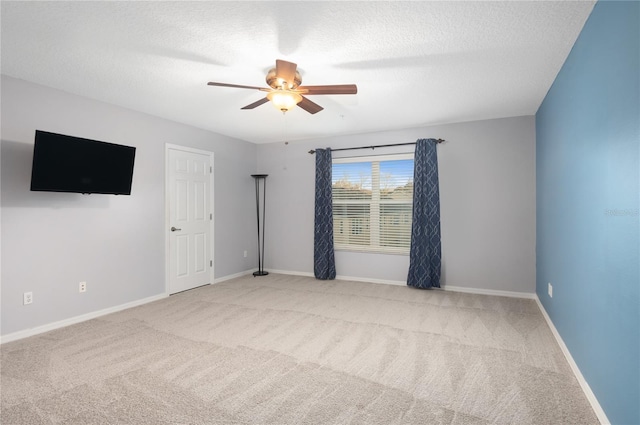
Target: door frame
(167,216)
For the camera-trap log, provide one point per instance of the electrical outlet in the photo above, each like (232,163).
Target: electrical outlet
(82,287)
(550,290)
(245,254)
(27,298)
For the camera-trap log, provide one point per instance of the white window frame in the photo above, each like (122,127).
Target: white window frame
(374,211)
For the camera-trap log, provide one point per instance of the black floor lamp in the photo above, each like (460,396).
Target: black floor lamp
(259,178)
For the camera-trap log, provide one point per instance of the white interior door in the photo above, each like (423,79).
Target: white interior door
(190,218)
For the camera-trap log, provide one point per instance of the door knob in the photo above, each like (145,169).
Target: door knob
(173,229)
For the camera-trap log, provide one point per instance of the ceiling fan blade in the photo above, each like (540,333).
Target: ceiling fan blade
(309,106)
(286,71)
(237,86)
(333,89)
(256,104)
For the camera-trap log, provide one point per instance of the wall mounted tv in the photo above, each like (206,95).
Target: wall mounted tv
(72,164)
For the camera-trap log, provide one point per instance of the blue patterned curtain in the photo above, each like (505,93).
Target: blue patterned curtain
(324,263)
(425,255)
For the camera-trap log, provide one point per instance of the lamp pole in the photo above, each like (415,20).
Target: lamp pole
(260,178)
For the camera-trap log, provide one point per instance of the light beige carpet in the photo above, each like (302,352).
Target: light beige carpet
(294,350)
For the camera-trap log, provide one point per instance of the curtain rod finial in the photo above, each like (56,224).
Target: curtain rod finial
(312,151)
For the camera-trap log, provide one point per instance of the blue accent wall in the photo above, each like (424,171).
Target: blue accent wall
(587,218)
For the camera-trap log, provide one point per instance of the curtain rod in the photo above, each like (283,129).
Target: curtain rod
(312,151)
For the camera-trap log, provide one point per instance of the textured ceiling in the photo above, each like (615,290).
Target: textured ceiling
(415,63)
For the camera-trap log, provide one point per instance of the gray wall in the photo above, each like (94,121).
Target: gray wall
(52,241)
(487,190)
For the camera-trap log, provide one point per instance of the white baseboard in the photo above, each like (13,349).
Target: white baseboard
(370,280)
(77,319)
(340,277)
(496,292)
(591,397)
(293,273)
(233,276)
(511,294)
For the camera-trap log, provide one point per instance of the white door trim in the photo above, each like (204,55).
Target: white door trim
(167,224)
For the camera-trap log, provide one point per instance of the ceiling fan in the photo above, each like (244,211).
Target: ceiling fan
(285,91)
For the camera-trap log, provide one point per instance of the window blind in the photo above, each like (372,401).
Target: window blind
(372,203)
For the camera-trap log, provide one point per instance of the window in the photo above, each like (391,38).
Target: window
(372,203)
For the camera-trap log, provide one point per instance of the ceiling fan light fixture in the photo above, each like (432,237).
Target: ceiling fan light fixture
(285,91)
(284,100)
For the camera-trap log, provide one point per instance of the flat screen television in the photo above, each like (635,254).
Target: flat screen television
(72,164)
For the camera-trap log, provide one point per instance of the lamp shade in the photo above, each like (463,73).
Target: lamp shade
(284,100)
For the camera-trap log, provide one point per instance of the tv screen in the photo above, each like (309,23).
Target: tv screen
(72,164)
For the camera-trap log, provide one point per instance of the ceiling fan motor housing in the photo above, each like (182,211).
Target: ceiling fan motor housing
(279,84)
